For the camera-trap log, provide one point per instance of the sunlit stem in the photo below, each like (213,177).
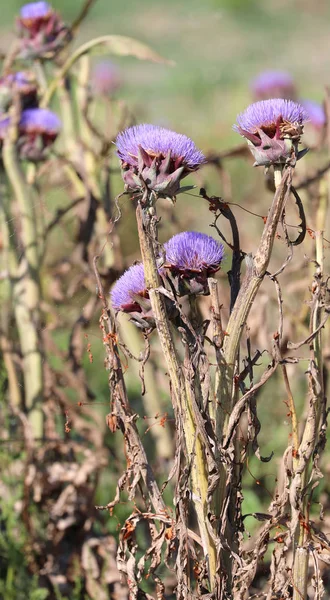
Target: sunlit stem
(180,387)
(8,266)
(310,435)
(91,167)
(255,271)
(26,284)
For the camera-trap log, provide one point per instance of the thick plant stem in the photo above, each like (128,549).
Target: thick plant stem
(26,287)
(256,269)
(225,376)
(311,431)
(7,264)
(180,387)
(90,164)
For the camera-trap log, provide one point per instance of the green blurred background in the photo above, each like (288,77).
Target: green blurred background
(218,46)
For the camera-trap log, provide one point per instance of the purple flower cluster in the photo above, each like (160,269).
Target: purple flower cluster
(269,114)
(23,82)
(157,141)
(272,128)
(190,258)
(41,29)
(128,286)
(273,84)
(34,11)
(36,121)
(129,295)
(316,113)
(105,79)
(40,121)
(193,251)
(156,157)
(38,129)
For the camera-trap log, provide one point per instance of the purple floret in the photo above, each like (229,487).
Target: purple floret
(193,251)
(268,81)
(267,113)
(34,121)
(35,10)
(40,120)
(315,112)
(20,78)
(131,282)
(158,141)
(106,77)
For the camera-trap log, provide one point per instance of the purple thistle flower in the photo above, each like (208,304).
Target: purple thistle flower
(130,295)
(273,84)
(41,30)
(105,78)
(21,79)
(38,129)
(130,284)
(36,121)
(40,121)
(194,251)
(316,113)
(192,257)
(24,82)
(272,129)
(159,156)
(35,10)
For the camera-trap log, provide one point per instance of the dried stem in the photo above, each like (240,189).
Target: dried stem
(180,386)
(151,398)
(256,269)
(299,495)
(119,403)
(225,376)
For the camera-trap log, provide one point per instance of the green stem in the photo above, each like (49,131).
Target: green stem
(7,265)
(91,167)
(180,388)
(26,286)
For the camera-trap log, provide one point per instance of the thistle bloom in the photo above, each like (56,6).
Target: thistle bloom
(38,129)
(24,83)
(316,113)
(41,29)
(35,13)
(40,121)
(130,295)
(272,129)
(105,78)
(130,285)
(273,84)
(191,257)
(158,157)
